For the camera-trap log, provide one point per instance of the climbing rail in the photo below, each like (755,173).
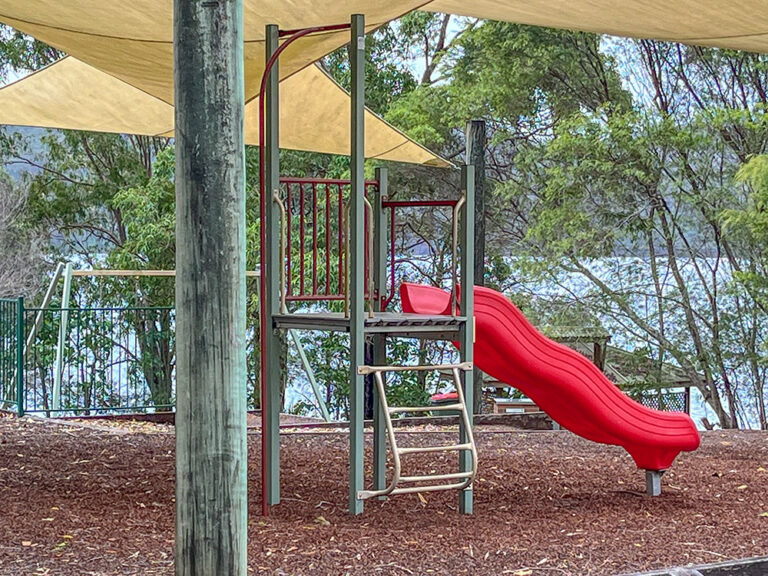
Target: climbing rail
(452,481)
(314,235)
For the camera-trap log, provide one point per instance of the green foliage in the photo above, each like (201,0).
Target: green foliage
(19,52)
(526,77)
(386,78)
(614,195)
(747,226)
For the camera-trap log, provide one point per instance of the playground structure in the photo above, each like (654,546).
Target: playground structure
(574,393)
(359,253)
(328,242)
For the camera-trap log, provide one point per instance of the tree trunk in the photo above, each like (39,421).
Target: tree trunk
(211,457)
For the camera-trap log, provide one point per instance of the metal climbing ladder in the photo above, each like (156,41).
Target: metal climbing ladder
(452,481)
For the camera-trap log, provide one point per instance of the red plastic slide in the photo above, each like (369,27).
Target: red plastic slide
(562,382)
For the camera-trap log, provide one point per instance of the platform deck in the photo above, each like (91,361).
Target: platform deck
(390,323)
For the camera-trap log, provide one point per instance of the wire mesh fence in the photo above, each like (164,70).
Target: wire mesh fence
(86,361)
(667,400)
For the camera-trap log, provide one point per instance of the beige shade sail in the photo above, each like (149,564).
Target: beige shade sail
(314,111)
(125,51)
(133,40)
(741,25)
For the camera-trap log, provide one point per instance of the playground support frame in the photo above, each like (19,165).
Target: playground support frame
(355,271)
(467,334)
(271,262)
(269,182)
(356,259)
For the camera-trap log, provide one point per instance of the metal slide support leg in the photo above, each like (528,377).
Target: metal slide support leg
(271,416)
(356,265)
(653,482)
(58,373)
(467,336)
(321,405)
(379,340)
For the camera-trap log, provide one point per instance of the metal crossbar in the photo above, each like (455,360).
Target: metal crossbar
(442,481)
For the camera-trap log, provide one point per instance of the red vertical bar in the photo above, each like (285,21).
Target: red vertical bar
(391,257)
(288,247)
(302,238)
(327,239)
(314,238)
(340,284)
(365,248)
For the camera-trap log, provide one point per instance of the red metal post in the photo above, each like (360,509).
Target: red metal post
(289,245)
(327,239)
(314,237)
(302,238)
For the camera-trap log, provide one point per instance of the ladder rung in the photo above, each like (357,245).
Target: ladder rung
(417,450)
(435,488)
(426,408)
(452,476)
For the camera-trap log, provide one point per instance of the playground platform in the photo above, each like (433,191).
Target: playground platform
(389,323)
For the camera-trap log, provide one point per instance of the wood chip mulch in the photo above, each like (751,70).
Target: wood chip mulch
(75,500)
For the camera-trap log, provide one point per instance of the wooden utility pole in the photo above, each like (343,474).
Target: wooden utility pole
(211,515)
(475,146)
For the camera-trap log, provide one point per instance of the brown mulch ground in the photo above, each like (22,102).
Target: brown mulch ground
(84,500)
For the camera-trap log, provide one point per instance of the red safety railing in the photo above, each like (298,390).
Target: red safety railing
(392,205)
(315,237)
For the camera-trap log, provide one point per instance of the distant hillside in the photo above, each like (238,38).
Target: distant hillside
(33,137)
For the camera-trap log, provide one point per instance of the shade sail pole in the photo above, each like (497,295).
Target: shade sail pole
(211,515)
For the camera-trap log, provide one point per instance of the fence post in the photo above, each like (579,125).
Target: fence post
(20,356)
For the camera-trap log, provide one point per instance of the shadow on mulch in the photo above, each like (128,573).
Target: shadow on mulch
(78,500)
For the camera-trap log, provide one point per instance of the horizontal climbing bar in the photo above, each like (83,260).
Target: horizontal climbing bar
(364,370)
(436,477)
(397,409)
(425,449)
(436,488)
(334,181)
(419,203)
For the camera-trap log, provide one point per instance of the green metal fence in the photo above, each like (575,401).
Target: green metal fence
(11,354)
(85,361)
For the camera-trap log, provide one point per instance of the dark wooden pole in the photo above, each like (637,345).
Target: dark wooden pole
(211,514)
(475,145)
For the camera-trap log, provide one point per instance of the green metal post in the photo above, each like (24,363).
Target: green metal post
(467,305)
(20,357)
(272,347)
(356,264)
(211,448)
(379,340)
